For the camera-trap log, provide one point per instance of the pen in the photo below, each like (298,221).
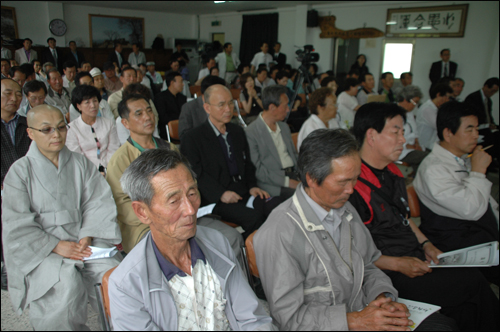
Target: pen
(486,148)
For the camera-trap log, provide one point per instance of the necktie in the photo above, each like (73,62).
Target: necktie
(54,54)
(446,69)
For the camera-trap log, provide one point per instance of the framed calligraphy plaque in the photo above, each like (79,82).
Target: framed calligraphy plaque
(427,22)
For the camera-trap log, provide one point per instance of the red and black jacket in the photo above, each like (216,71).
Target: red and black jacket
(391,235)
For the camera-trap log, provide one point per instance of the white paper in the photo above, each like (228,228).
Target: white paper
(101,253)
(250,202)
(203,211)
(419,311)
(480,255)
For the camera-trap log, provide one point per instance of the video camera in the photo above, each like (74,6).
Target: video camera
(306,57)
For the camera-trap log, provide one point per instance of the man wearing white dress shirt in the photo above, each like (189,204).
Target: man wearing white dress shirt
(6,53)
(427,113)
(69,69)
(155,76)
(228,63)
(136,57)
(413,154)
(261,57)
(26,54)
(210,62)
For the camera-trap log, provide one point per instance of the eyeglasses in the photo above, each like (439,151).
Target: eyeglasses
(414,103)
(40,99)
(223,105)
(49,130)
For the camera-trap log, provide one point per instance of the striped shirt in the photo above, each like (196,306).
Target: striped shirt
(11,127)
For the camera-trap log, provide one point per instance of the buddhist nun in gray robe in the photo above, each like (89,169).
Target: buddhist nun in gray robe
(43,205)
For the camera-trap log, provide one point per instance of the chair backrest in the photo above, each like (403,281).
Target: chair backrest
(413,201)
(252,261)
(105,296)
(173,128)
(295,137)
(195,89)
(236,94)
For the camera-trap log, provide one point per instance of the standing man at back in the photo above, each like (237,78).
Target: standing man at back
(262,57)
(52,54)
(443,68)
(169,102)
(26,54)
(228,63)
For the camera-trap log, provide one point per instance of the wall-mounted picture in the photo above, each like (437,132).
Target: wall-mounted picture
(9,23)
(106,30)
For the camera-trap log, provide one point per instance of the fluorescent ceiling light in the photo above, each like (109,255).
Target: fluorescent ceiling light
(391,23)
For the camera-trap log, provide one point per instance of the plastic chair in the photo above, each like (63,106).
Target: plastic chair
(413,202)
(195,89)
(101,290)
(173,130)
(252,261)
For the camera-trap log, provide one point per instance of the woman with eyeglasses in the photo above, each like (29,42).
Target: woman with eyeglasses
(94,137)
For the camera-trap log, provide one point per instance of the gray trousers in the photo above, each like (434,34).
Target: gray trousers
(234,237)
(64,306)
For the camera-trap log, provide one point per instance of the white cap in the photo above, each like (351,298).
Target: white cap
(150,63)
(95,72)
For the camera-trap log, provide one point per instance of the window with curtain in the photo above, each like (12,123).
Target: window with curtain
(255,30)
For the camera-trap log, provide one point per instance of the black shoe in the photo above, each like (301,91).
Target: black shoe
(4,278)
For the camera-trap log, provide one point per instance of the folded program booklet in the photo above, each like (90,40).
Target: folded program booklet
(419,311)
(481,255)
(101,253)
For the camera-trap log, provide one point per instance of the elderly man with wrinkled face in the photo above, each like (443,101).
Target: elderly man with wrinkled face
(56,207)
(180,276)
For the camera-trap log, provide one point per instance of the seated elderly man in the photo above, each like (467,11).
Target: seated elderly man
(457,209)
(271,145)
(56,206)
(180,276)
(380,198)
(219,153)
(315,256)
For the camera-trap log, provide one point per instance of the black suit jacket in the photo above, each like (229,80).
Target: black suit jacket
(475,99)
(169,108)
(71,57)
(204,152)
(11,152)
(436,69)
(114,58)
(48,57)
(281,59)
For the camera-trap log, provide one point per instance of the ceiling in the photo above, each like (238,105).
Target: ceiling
(195,7)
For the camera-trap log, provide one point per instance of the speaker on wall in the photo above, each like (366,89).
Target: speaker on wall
(312,18)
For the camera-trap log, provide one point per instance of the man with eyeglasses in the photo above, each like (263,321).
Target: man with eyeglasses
(14,138)
(35,92)
(413,154)
(219,154)
(57,206)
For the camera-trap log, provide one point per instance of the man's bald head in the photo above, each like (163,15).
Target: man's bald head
(214,88)
(38,114)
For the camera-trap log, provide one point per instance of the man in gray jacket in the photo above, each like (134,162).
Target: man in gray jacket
(271,146)
(315,256)
(180,276)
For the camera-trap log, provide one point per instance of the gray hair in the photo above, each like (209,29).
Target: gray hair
(45,65)
(136,180)
(272,95)
(408,93)
(320,148)
(211,89)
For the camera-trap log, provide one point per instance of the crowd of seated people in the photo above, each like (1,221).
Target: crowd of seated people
(88,162)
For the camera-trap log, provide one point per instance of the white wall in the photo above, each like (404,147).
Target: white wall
(33,21)
(476,53)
